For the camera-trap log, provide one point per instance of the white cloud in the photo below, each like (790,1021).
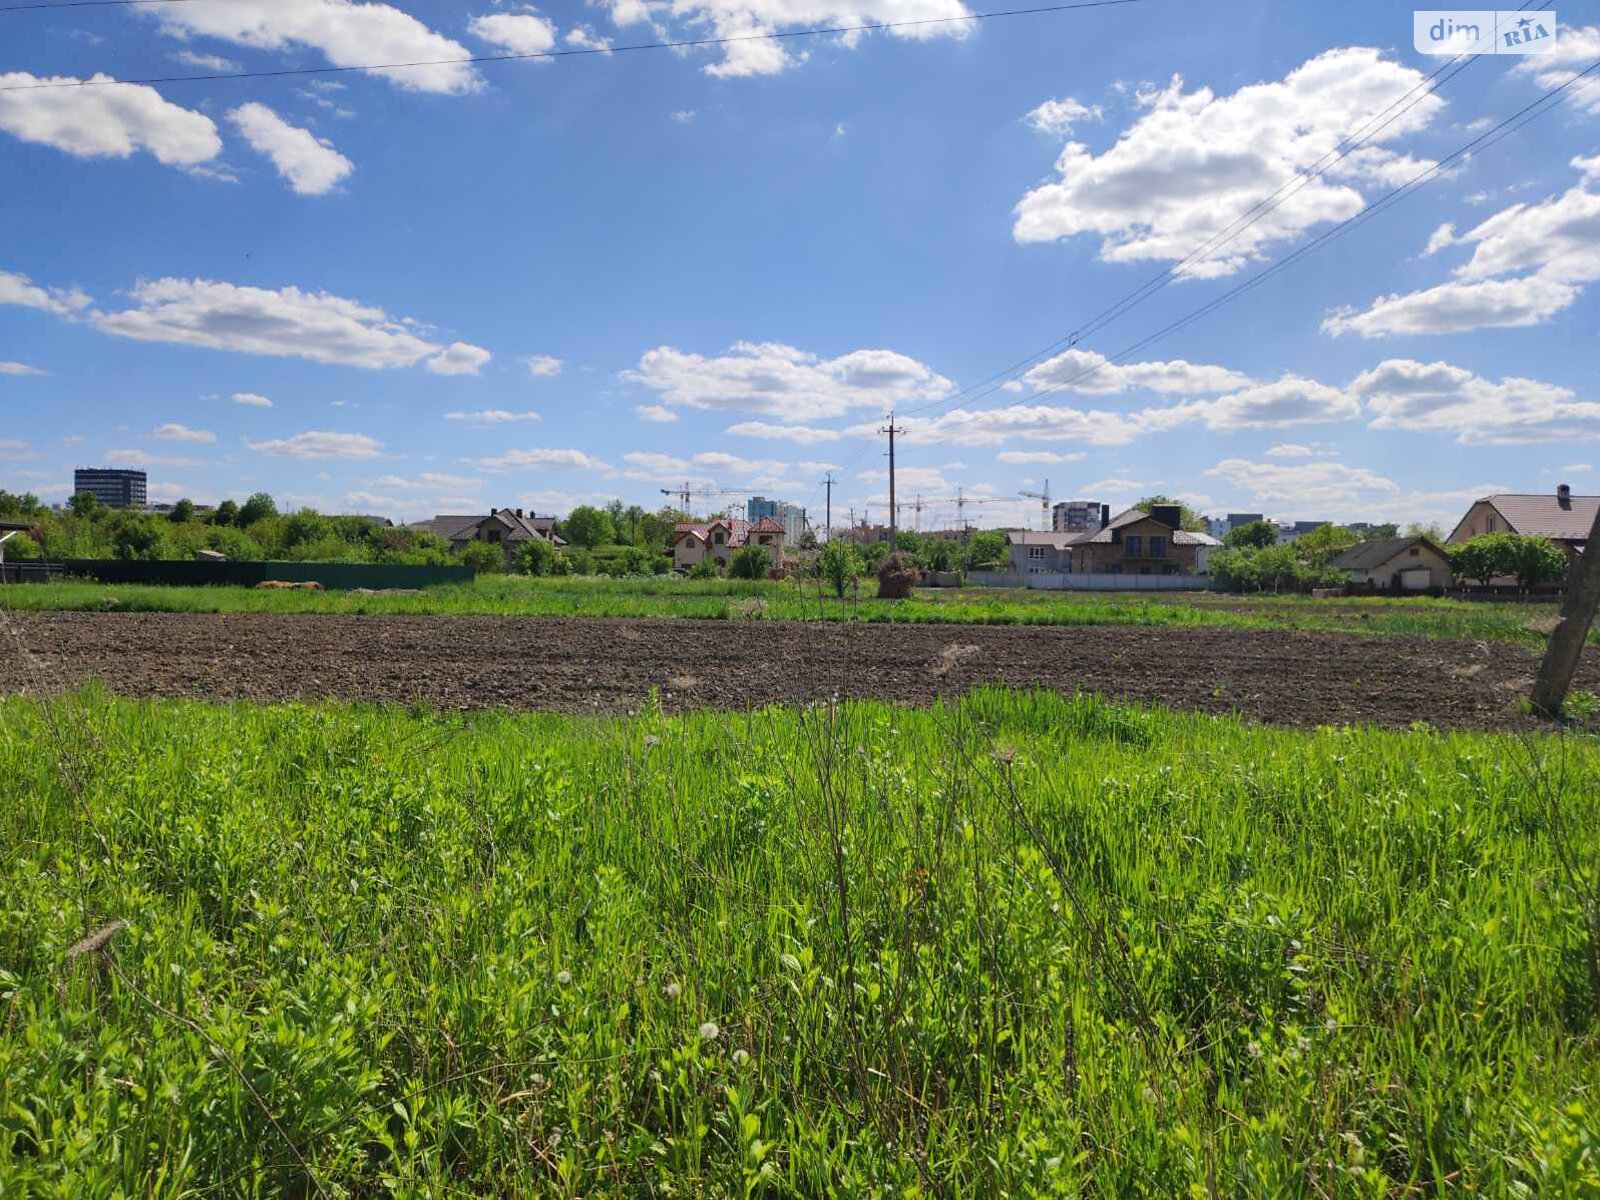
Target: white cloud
(581,37)
(1575,49)
(142,458)
(286,323)
(174,432)
(1091,373)
(1305,485)
(16,368)
(1290,450)
(658,413)
(1404,394)
(20,290)
(320,444)
(429,481)
(515,33)
(1194,163)
(800,435)
(13,450)
(683,116)
(213,63)
(310,164)
(1529,262)
(491,416)
(1019,457)
(105,121)
(250,400)
(1029,422)
(513,459)
(345,33)
(542,366)
(1057,117)
(790,384)
(459,358)
(1289,401)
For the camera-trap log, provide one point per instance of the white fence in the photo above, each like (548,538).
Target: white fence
(1094,581)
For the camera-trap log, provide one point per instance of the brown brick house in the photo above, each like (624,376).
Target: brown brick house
(1137,542)
(507,528)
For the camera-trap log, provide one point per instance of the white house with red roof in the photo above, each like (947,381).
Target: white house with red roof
(719,540)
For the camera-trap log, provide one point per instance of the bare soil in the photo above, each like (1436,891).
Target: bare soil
(583,665)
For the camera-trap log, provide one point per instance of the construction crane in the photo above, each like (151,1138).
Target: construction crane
(689,491)
(1044,503)
(960,500)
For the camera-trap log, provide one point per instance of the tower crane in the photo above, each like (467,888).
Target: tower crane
(688,492)
(1044,503)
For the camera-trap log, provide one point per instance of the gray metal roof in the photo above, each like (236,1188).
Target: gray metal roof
(1543,515)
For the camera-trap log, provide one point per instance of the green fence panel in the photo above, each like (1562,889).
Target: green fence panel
(333,576)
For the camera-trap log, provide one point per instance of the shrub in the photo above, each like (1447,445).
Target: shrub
(1532,560)
(536,557)
(661,564)
(579,561)
(752,562)
(704,569)
(482,557)
(840,564)
(896,577)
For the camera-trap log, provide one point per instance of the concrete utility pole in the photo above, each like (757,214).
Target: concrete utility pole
(894,510)
(1572,630)
(827,527)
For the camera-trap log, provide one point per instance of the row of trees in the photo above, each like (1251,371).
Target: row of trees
(1529,560)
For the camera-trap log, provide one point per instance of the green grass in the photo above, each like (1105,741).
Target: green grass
(732,599)
(1027,946)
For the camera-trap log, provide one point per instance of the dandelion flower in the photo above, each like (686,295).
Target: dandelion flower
(740,1057)
(1254,1049)
(710,1032)
(563,977)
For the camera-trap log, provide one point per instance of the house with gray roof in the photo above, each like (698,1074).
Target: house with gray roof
(1560,516)
(1406,564)
(1134,542)
(507,528)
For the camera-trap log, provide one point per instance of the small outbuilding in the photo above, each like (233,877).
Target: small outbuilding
(1400,564)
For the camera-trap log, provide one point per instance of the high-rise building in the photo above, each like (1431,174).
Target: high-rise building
(792,516)
(1075,516)
(758,508)
(114,487)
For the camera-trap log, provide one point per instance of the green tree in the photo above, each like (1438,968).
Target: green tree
(536,557)
(259,507)
(1535,560)
(1187,517)
(182,512)
(85,505)
(20,548)
(482,557)
(588,527)
(988,548)
(226,513)
(1378,532)
(1323,543)
(1477,559)
(752,562)
(938,554)
(1257,535)
(1430,531)
(135,538)
(14,505)
(840,564)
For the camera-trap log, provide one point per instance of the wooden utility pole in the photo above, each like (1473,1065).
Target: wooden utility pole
(894,510)
(1578,606)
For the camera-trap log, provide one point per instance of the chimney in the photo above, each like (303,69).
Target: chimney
(1170,515)
(519,513)
(1564,496)
(1105,515)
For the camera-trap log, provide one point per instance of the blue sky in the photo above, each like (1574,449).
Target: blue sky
(547,283)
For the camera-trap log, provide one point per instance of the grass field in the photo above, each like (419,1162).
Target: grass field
(1029,945)
(730,599)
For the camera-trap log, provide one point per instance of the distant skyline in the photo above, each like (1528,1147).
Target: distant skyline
(541,284)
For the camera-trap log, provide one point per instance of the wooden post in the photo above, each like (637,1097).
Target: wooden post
(1572,630)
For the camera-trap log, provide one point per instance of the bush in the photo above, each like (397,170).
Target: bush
(752,562)
(896,577)
(840,564)
(661,564)
(704,569)
(579,561)
(536,557)
(20,548)
(1532,560)
(482,557)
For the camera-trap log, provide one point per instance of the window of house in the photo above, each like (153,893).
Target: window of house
(1134,544)
(721,537)
(1489,525)
(1158,547)
(1035,551)
(1415,552)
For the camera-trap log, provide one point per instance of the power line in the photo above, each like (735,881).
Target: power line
(576,52)
(1483,141)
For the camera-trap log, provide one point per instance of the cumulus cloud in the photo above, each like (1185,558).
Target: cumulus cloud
(16,368)
(1402,393)
(1028,422)
(1575,49)
(1057,117)
(174,432)
(429,481)
(1290,450)
(658,413)
(14,450)
(286,323)
(1091,373)
(1195,162)
(1306,485)
(321,444)
(1020,457)
(213,63)
(310,164)
(459,358)
(581,37)
(515,33)
(491,416)
(1291,400)
(143,458)
(105,122)
(250,400)
(1529,262)
(787,383)
(800,435)
(22,291)
(542,366)
(513,459)
(344,32)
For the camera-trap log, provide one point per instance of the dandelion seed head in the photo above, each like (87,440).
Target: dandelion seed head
(673,991)
(710,1032)
(563,977)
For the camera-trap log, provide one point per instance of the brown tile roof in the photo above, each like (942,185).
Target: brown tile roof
(1543,515)
(739,530)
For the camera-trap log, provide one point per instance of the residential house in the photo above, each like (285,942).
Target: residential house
(1135,542)
(694,542)
(507,528)
(1560,516)
(1404,564)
